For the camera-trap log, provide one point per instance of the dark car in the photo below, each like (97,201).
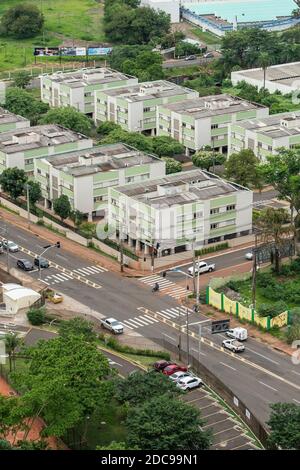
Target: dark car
(25,264)
(160,365)
(42,262)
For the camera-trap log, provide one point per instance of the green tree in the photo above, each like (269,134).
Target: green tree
(62,207)
(164,146)
(274,228)
(165,423)
(172,165)
(264,61)
(35,191)
(12,341)
(21,102)
(77,326)
(22,21)
(284,423)
(206,159)
(36,316)
(12,181)
(106,127)
(243,168)
(77,217)
(136,140)
(22,79)
(68,117)
(116,446)
(140,387)
(139,61)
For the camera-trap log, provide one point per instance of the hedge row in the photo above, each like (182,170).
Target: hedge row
(212,249)
(114,344)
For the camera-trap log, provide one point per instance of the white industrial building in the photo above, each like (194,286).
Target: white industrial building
(171,7)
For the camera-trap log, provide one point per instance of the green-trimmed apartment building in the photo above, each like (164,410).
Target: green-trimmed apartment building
(204,121)
(174,212)
(10,121)
(134,107)
(85,176)
(19,148)
(77,88)
(266,135)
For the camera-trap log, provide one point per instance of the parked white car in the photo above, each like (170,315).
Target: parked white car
(239,333)
(249,256)
(233,345)
(188,383)
(10,246)
(179,375)
(202,267)
(112,325)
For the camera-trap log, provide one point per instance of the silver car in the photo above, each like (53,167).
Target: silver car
(10,246)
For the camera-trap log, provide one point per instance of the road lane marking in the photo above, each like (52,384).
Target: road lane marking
(296,401)
(268,386)
(223,363)
(197,351)
(213,345)
(265,357)
(294,372)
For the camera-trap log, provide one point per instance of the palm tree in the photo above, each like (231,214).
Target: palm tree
(12,341)
(264,61)
(275,228)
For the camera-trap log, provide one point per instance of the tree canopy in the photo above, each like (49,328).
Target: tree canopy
(22,21)
(243,168)
(68,117)
(62,207)
(139,61)
(21,102)
(172,165)
(206,159)
(13,181)
(285,426)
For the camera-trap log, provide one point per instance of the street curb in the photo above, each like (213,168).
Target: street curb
(121,356)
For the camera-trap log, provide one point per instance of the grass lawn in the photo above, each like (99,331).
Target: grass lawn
(64,19)
(179,71)
(207,37)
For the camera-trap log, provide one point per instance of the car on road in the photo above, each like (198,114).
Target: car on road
(54,297)
(179,375)
(25,264)
(249,256)
(202,267)
(239,333)
(208,55)
(112,325)
(172,368)
(233,345)
(191,57)
(160,365)
(188,383)
(42,262)
(10,246)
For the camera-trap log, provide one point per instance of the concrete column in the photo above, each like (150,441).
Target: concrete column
(90,217)
(146,249)
(153,133)
(187,152)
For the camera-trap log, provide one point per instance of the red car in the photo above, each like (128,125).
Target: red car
(172,368)
(160,365)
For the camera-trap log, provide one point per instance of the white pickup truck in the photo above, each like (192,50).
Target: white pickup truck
(202,267)
(112,325)
(233,345)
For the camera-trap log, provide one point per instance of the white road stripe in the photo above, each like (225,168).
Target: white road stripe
(223,363)
(164,315)
(168,313)
(150,318)
(143,322)
(294,372)
(132,323)
(127,326)
(296,401)
(268,386)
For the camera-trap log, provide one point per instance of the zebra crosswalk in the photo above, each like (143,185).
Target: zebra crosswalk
(145,320)
(57,278)
(165,286)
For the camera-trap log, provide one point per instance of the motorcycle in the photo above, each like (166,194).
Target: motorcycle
(155,288)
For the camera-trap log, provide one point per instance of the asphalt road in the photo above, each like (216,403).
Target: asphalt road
(185,63)
(263,377)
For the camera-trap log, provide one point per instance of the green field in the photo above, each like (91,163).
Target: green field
(207,37)
(64,19)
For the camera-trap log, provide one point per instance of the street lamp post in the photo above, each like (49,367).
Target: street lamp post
(27,186)
(46,248)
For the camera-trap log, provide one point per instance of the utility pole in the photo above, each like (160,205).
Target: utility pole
(121,251)
(47,247)
(152,258)
(194,269)
(28,204)
(254,271)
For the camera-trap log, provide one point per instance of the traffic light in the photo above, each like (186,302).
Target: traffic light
(57,244)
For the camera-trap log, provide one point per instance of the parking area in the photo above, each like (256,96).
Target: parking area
(228,431)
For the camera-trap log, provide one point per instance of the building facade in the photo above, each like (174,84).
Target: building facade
(85,176)
(19,148)
(134,107)
(204,121)
(180,210)
(10,121)
(171,7)
(265,136)
(77,88)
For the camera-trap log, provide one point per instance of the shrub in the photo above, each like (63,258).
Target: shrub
(113,343)
(272,310)
(293,333)
(36,316)
(211,249)
(295,315)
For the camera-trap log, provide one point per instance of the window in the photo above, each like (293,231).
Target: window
(270,148)
(29,161)
(193,128)
(214,211)
(231,207)
(183,124)
(39,171)
(214,126)
(213,226)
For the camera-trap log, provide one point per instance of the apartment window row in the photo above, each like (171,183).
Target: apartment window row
(214,126)
(123,121)
(137,178)
(222,224)
(218,210)
(149,120)
(166,129)
(165,118)
(101,101)
(149,109)
(188,126)
(100,198)
(106,184)
(29,161)
(122,110)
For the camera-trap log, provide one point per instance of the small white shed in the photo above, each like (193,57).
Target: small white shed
(17,297)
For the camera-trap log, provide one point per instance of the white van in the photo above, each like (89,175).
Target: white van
(238,333)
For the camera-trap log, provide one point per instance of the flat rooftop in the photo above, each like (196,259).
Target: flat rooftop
(35,137)
(179,189)
(102,158)
(148,90)
(8,118)
(271,126)
(285,74)
(84,77)
(213,105)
